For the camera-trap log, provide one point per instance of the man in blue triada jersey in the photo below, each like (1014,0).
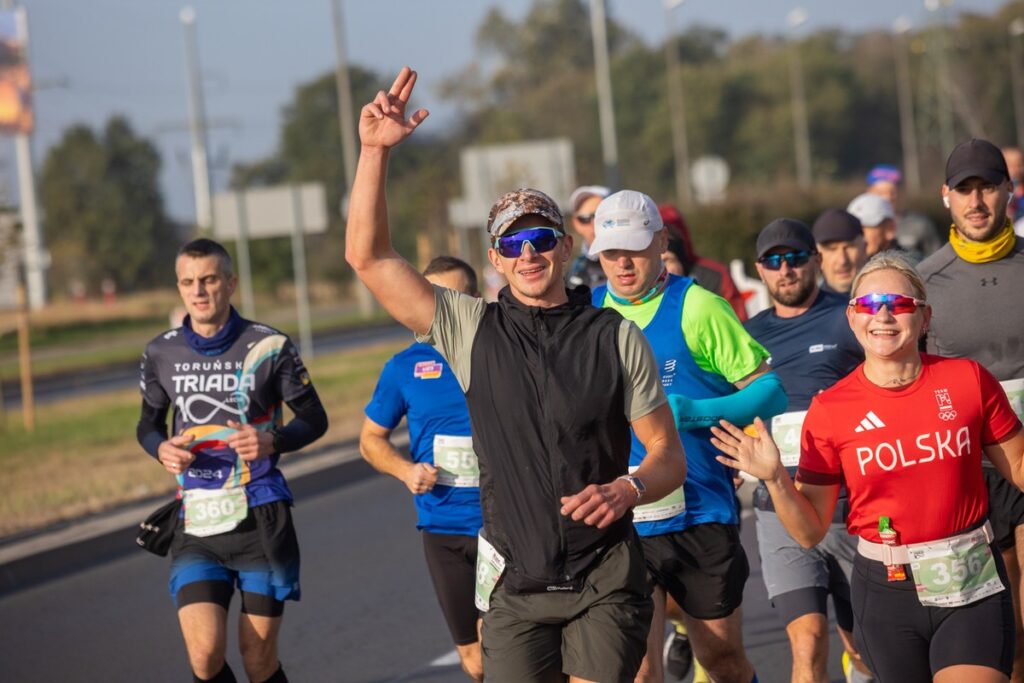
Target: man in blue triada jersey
(443,473)
(711,368)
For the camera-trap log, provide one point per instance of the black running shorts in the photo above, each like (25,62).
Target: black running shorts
(902,640)
(1005,508)
(704,568)
(452,563)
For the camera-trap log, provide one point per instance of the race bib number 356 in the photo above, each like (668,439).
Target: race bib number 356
(209,512)
(954,572)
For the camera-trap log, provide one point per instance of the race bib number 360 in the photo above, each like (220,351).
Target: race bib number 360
(456,461)
(954,572)
(209,512)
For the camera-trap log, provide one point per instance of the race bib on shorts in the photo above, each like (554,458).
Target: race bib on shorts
(456,461)
(666,508)
(490,565)
(786,430)
(956,571)
(209,512)
(1014,389)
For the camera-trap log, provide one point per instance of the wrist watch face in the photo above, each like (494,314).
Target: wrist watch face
(640,488)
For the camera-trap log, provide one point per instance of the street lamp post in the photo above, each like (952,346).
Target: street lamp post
(945,90)
(1016,31)
(197,124)
(677,109)
(605,109)
(908,132)
(801,134)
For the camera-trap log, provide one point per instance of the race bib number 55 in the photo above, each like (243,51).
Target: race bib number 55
(456,461)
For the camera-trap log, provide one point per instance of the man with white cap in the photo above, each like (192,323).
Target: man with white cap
(710,368)
(585,268)
(878,221)
(560,573)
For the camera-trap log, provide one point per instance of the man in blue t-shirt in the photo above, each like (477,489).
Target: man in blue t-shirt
(811,347)
(443,473)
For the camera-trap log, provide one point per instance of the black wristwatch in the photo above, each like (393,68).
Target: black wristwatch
(637,485)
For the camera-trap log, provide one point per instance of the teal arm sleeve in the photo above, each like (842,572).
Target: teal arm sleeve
(764,398)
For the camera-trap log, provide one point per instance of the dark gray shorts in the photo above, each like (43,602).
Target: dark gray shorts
(788,567)
(599,633)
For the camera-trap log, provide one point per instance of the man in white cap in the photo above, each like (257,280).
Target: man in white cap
(878,221)
(711,368)
(585,268)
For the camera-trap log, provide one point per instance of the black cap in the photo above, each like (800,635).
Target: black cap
(976,159)
(785,232)
(836,225)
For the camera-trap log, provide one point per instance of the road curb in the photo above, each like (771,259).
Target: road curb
(99,538)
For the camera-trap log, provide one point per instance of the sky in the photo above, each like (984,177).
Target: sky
(95,59)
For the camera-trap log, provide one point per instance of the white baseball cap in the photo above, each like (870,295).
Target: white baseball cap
(871,209)
(625,220)
(585,192)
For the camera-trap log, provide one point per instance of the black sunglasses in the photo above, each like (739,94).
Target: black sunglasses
(794,259)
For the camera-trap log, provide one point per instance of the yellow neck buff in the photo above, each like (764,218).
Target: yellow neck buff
(983,252)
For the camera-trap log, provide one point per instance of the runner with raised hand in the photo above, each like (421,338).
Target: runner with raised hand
(906,432)
(560,570)
(442,472)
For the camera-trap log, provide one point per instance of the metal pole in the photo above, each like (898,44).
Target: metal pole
(28,404)
(677,109)
(801,135)
(301,282)
(31,232)
(1016,31)
(347,129)
(908,132)
(244,264)
(605,109)
(197,124)
(945,94)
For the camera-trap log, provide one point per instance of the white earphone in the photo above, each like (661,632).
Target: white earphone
(945,201)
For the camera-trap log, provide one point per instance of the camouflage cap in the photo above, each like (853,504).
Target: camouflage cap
(522,202)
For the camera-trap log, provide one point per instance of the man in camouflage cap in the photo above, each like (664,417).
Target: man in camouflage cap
(553,386)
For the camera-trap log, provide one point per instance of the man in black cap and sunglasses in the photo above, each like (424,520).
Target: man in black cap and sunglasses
(553,386)
(974,286)
(811,347)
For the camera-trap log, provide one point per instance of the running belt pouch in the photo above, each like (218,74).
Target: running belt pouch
(157,530)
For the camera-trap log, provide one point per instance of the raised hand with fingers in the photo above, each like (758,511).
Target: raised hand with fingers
(249,442)
(758,455)
(382,122)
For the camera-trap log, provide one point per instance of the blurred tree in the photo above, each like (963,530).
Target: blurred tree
(103,208)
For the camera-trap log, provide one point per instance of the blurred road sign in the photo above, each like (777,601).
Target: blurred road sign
(270,211)
(710,177)
(492,170)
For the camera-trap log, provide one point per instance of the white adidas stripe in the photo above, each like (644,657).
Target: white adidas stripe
(870,422)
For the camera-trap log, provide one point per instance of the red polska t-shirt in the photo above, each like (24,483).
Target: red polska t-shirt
(911,454)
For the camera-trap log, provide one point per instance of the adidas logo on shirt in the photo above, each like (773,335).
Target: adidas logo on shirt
(870,421)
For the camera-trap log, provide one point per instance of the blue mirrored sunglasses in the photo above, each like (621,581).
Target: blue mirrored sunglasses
(540,240)
(794,259)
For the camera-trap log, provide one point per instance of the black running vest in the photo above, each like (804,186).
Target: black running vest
(546,400)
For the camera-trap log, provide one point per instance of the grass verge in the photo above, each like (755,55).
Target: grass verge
(83,457)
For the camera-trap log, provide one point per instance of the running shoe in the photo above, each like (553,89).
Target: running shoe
(678,656)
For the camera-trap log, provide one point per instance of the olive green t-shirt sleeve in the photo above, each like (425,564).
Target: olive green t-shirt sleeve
(456,319)
(716,337)
(643,390)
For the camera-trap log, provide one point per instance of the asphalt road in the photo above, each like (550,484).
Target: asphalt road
(368,613)
(126,376)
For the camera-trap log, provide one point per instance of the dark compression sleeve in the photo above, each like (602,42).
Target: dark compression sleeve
(152,428)
(308,425)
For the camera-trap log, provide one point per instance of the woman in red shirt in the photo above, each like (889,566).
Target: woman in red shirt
(906,431)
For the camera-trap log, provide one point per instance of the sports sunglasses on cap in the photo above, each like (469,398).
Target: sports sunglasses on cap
(794,259)
(540,239)
(897,304)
